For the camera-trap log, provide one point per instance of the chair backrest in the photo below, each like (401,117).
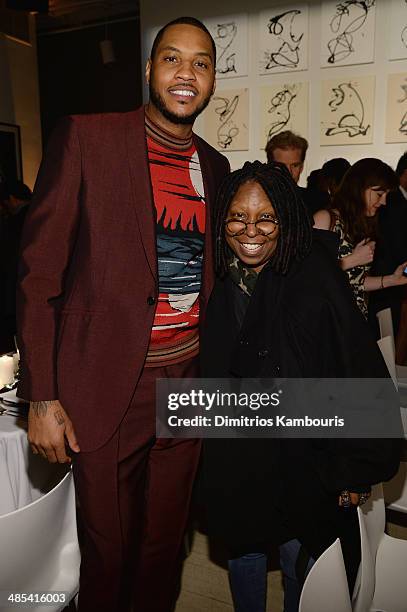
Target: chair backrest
(326,586)
(395,491)
(386,324)
(371,525)
(386,347)
(38,544)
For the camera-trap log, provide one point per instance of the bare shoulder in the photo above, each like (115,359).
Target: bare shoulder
(322,219)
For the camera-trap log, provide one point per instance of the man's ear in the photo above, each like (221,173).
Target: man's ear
(214,87)
(148,70)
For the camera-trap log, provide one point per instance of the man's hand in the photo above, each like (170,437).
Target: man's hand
(49,429)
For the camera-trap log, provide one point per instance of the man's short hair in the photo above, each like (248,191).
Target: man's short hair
(401,164)
(182,21)
(286,140)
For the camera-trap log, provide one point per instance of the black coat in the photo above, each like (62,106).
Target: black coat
(391,251)
(303,324)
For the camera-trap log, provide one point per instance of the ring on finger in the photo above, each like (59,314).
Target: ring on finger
(363,497)
(346,500)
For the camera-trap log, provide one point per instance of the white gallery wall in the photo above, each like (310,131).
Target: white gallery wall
(19,97)
(330,80)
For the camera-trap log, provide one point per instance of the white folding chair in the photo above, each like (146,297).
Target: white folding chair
(384,562)
(39,546)
(395,491)
(326,586)
(386,325)
(387,349)
(386,329)
(371,525)
(391,583)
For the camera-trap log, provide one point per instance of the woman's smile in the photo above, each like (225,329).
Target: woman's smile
(252,206)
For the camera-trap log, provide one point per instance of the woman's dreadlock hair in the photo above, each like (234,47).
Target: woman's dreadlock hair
(295,231)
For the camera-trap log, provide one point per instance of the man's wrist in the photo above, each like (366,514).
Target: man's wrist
(40,409)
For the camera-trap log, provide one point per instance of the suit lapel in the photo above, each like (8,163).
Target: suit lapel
(141,185)
(143,197)
(210,195)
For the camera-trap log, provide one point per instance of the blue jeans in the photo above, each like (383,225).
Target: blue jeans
(292,588)
(248,582)
(248,579)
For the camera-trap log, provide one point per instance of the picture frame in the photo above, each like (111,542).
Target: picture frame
(11,166)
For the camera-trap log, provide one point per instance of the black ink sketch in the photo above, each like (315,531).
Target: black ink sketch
(403,124)
(280,110)
(351,112)
(404,88)
(286,44)
(224,37)
(403,121)
(227,130)
(404,33)
(349,18)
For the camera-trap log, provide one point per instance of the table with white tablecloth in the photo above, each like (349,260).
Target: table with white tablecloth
(16,488)
(24,477)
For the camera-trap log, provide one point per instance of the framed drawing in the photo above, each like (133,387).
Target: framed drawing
(230,36)
(347,110)
(11,167)
(397,32)
(226,120)
(283,107)
(396,120)
(283,38)
(347,32)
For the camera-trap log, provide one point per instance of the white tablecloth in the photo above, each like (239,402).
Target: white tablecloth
(24,477)
(16,487)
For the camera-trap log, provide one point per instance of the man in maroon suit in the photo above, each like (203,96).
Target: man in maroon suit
(115,276)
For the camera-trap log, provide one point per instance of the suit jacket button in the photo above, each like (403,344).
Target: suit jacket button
(263,353)
(151,300)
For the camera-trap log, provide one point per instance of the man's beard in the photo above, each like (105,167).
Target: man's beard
(159,103)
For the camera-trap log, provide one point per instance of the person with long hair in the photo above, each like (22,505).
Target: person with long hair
(353,217)
(333,172)
(281,308)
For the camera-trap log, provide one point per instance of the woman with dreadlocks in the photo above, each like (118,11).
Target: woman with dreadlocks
(281,308)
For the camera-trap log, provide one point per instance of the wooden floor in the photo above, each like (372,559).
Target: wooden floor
(205,586)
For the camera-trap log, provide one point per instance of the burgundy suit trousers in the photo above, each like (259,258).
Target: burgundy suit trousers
(134,496)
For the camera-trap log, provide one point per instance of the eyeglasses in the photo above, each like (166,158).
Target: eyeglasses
(265,227)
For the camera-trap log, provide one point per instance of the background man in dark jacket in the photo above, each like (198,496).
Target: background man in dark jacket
(391,248)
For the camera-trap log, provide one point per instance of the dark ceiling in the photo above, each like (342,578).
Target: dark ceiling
(63,14)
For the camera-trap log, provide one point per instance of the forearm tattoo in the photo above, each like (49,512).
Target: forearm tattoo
(40,409)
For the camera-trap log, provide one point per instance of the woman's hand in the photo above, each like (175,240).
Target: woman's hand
(363,253)
(397,278)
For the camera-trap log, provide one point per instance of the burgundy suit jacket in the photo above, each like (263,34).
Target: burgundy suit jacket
(89,269)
